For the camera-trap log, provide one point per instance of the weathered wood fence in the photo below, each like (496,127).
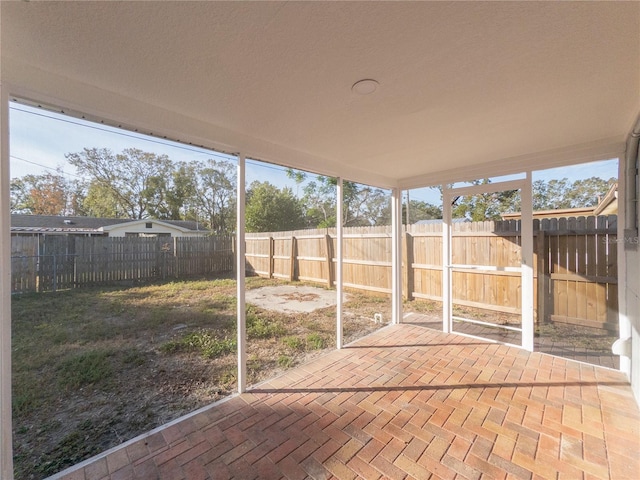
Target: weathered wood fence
(50,263)
(575,264)
(575,268)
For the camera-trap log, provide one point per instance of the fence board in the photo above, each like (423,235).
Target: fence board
(575,268)
(571,281)
(63,262)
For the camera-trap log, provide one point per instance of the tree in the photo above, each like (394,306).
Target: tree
(556,194)
(44,194)
(100,201)
(180,198)
(588,192)
(550,195)
(420,210)
(20,200)
(136,181)
(270,209)
(213,197)
(363,205)
(485,206)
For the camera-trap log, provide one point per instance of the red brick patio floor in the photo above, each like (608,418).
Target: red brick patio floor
(405,402)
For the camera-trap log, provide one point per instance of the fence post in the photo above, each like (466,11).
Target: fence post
(55,271)
(271,249)
(408,268)
(294,249)
(329,259)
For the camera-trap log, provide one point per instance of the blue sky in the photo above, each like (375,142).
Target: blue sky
(40,139)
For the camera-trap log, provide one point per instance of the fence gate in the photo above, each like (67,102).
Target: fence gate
(489,266)
(578,271)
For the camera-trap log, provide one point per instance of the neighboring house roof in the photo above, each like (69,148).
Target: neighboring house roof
(86,225)
(608,205)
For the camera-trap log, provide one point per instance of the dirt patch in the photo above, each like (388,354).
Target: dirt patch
(292,298)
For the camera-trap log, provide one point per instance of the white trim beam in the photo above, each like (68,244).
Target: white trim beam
(526,249)
(487,188)
(624,322)
(396,258)
(339,263)
(526,268)
(6,446)
(446,260)
(240,278)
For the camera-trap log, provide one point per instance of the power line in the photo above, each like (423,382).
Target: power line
(44,166)
(119,131)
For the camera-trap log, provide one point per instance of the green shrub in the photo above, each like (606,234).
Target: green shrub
(315,341)
(258,327)
(296,343)
(204,342)
(85,368)
(285,361)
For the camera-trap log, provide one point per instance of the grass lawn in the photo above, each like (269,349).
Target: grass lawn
(95,367)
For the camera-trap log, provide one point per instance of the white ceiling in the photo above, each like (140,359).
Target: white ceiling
(461,84)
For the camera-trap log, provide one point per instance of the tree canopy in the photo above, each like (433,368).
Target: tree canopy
(270,209)
(136,184)
(44,194)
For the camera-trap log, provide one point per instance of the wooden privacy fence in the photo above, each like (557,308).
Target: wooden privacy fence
(575,264)
(49,263)
(310,255)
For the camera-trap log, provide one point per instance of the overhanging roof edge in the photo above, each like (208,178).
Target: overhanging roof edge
(95,104)
(604,149)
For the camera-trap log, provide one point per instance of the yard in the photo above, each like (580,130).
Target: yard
(95,367)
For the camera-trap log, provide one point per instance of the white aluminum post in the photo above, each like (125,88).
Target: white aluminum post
(339,287)
(240,274)
(624,325)
(526,245)
(6,454)
(396,259)
(446,260)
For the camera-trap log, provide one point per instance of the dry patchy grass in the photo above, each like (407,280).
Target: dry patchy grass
(95,367)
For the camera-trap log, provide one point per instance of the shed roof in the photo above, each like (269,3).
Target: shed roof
(71,224)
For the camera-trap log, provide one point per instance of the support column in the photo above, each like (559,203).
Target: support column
(240,281)
(446,260)
(624,322)
(6,451)
(526,232)
(396,256)
(339,287)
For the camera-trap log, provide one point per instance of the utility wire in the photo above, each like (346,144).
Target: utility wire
(44,166)
(144,137)
(121,132)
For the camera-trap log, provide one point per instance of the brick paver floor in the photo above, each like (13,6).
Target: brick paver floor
(405,402)
(554,346)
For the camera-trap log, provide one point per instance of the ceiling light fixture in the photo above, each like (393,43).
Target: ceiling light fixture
(365,87)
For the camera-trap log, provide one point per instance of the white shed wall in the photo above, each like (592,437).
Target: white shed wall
(157,228)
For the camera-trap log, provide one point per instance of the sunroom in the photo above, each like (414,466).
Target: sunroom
(400,96)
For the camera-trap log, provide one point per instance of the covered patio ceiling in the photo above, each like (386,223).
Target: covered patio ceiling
(461,85)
